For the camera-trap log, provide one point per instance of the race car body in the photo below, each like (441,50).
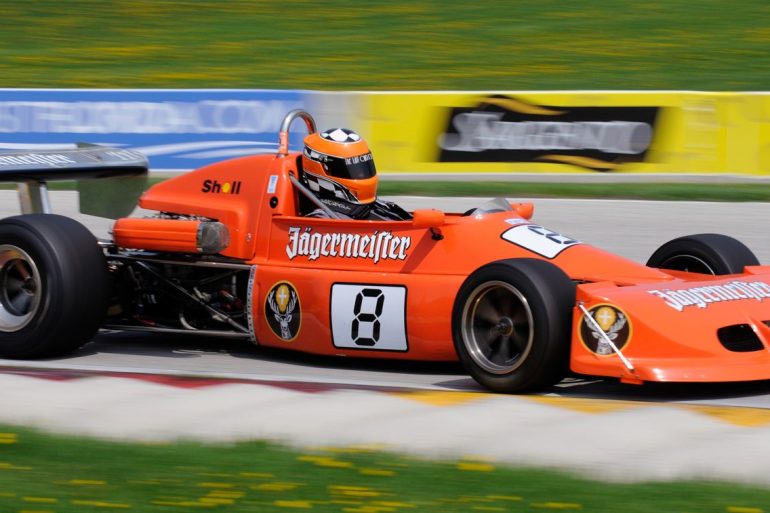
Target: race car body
(688,329)
(230,253)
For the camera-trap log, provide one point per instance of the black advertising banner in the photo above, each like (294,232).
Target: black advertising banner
(504,129)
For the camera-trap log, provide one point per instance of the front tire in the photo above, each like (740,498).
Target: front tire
(511,324)
(705,253)
(53,286)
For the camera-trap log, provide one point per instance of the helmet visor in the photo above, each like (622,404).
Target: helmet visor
(356,168)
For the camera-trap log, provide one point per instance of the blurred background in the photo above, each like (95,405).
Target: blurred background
(274,56)
(387,45)
(313,54)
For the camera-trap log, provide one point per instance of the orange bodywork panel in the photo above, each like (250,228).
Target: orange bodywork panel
(176,236)
(671,331)
(236,192)
(387,289)
(327,263)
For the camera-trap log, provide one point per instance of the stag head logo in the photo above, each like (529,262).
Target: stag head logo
(283,303)
(614,324)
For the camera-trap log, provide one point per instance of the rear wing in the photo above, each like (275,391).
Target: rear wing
(125,170)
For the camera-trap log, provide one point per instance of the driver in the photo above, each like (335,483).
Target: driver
(338,168)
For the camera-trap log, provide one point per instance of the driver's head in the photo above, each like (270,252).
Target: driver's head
(341,164)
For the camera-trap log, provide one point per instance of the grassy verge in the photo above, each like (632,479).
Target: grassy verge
(40,472)
(398,44)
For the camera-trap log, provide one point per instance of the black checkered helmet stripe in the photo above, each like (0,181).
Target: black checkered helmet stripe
(325,188)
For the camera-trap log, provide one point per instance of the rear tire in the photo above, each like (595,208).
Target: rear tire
(53,286)
(705,253)
(512,322)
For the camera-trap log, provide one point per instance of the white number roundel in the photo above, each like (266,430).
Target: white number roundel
(538,239)
(369,317)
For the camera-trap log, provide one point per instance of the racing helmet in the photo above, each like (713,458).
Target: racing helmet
(338,167)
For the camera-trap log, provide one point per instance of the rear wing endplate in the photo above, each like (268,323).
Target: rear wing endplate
(116,197)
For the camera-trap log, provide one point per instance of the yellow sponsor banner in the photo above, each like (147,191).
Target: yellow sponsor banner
(568,132)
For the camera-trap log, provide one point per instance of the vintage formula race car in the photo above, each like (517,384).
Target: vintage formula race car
(228,254)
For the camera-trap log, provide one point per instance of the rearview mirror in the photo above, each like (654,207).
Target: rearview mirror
(428,218)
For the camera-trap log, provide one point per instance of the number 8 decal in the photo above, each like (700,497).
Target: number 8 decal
(365,317)
(368,316)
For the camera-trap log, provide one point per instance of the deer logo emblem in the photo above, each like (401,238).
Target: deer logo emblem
(614,324)
(282,310)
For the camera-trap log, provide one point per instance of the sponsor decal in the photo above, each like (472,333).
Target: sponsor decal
(148,112)
(272,184)
(537,239)
(217,187)
(250,304)
(341,207)
(358,159)
(369,316)
(377,246)
(89,156)
(701,297)
(282,311)
(34,159)
(505,129)
(177,129)
(615,324)
(124,155)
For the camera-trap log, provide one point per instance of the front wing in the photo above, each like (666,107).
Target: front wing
(713,329)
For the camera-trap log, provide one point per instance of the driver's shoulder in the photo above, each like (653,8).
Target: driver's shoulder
(388,210)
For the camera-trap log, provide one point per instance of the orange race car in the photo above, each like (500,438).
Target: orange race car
(230,253)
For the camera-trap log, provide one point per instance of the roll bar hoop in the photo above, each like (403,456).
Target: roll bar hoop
(283,135)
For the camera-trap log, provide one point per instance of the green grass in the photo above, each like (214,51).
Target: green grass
(40,472)
(387,44)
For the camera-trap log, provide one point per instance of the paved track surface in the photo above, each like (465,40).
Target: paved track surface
(111,387)
(607,439)
(631,228)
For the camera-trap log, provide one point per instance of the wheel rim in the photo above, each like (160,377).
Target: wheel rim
(497,327)
(689,263)
(20,288)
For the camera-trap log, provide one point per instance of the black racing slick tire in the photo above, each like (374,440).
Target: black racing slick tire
(53,286)
(511,324)
(705,253)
